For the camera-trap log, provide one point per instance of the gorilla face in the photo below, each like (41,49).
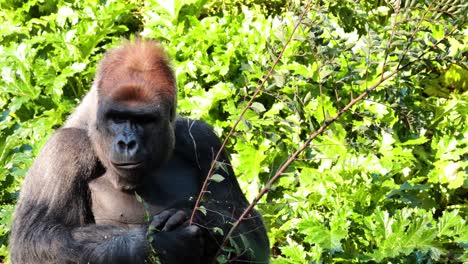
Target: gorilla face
(134,140)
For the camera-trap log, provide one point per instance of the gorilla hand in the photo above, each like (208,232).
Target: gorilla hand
(177,242)
(169,220)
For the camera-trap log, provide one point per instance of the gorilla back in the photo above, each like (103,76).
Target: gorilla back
(116,184)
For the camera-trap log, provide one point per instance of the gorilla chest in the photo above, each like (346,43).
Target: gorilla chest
(177,183)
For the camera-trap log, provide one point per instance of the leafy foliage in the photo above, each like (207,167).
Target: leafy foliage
(386,182)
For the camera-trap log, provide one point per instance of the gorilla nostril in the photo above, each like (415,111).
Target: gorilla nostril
(131,145)
(121,144)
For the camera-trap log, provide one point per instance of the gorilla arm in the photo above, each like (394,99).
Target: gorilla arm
(53,219)
(224,201)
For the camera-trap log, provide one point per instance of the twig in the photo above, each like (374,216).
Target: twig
(294,156)
(396,7)
(249,104)
(410,39)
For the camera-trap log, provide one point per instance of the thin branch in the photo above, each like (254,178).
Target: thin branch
(396,7)
(410,39)
(294,156)
(433,45)
(249,104)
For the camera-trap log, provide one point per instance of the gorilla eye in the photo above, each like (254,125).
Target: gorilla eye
(146,119)
(117,119)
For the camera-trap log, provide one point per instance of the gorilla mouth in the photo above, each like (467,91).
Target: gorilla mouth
(128,165)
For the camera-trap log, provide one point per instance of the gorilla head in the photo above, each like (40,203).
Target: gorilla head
(133,130)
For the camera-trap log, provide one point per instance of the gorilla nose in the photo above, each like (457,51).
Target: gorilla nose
(127,146)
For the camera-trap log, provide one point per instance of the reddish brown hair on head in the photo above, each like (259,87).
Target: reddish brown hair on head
(136,72)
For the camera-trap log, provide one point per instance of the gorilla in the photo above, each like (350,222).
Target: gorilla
(117,182)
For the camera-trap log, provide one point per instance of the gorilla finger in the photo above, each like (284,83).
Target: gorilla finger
(161,218)
(175,220)
(193,230)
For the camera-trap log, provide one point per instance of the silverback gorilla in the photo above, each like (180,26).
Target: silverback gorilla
(117,182)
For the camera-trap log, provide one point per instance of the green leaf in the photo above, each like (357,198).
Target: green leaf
(202,209)
(138,197)
(258,107)
(294,251)
(414,142)
(218,230)
(217,178)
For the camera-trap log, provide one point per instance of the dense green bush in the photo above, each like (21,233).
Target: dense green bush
(386,181)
